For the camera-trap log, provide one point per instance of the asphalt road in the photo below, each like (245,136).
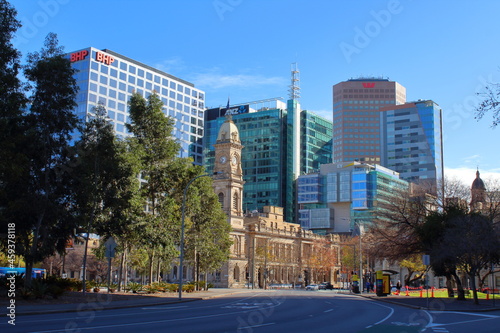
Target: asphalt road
(264,311)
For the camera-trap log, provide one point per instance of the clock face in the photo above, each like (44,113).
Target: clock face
(234,160)
(223,159)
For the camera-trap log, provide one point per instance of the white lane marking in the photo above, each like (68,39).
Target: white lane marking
(163,307)
(328,310)
(254,326)
(436,325)
(387,317)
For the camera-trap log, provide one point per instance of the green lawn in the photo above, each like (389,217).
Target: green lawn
(443,293)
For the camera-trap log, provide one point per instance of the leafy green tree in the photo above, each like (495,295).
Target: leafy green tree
(157,150)
(104,183)
(13,161)
(44,222)
(208,238)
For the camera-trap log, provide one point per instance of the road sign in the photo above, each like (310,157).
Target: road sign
(110,246)
(426,259)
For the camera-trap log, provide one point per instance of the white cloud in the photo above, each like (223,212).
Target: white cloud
(174,64)
(216,80)
(327,114)
(467,175)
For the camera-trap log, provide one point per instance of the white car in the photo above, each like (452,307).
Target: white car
(312,287)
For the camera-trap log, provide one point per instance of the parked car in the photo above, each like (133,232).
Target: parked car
(312,287)
(325,286)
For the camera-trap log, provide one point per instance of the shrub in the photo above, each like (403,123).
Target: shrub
(151,288)
(173,287)
(25,293)
(55,291)
(134,287)
(188,287)
(39,288)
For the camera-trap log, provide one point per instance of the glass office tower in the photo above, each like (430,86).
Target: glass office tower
(414,141)
(104,75)
(272,158)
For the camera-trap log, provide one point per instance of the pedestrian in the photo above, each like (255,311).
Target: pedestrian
(398,287)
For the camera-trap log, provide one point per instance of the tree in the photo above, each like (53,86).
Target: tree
(415,266)
(157,150)
(44,221)
(490,103)
(104,183)
(208,239)
(13,162)
(472,240)
(323,259)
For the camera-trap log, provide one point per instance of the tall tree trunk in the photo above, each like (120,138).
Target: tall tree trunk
(472,276)
(460,287)
(120,272)
(151,258)
(158,270)
(449,286)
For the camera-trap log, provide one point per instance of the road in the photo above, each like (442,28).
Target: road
(262,312)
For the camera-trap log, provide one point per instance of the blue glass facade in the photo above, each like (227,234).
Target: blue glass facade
(346,193)
(414,141)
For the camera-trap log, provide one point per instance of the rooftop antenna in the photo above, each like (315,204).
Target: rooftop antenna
(294,86)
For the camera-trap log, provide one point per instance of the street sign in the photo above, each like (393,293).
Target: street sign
(110,246)
(426,259)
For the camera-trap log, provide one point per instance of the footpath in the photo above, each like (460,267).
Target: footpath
(76,302)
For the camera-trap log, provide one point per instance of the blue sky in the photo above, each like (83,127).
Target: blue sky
(446,51)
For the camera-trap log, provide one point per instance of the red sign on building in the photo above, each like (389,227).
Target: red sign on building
(368,84)
(104,58)
(77,56)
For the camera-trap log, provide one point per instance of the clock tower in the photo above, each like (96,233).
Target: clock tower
(229,186)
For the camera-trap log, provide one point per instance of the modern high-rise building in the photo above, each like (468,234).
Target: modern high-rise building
(316,141)
(281,141)
(104,75)
(341,195)
(357,134)
(414,142)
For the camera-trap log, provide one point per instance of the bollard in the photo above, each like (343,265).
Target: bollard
(487,294)
(407,292)
(421,291)
(432,292)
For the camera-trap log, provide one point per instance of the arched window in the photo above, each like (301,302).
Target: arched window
(221,199)
(236,273)
(235,201)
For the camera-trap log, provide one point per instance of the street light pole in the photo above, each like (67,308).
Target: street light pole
(181,257)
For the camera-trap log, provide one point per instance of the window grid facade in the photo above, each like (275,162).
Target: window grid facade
(113,81)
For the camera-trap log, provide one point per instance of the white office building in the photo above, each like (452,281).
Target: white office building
(107,76)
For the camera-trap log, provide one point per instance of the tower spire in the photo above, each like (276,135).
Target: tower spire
(294,86)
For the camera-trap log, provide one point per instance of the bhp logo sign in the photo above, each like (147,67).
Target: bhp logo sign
(368,84)
(77,56)
(104,58)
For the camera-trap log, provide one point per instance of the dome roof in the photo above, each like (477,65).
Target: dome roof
(478,183)
(228,131)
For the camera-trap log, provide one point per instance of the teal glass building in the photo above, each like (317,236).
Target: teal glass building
(340,195)
(280,143)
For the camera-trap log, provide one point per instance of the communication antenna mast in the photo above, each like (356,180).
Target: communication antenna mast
(294,87)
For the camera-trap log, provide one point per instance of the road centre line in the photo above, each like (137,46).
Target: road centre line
(254,326)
